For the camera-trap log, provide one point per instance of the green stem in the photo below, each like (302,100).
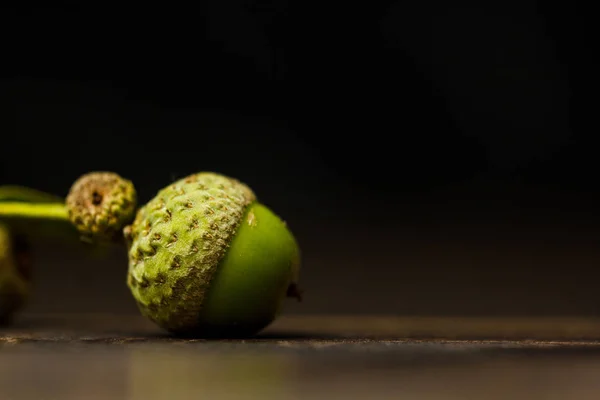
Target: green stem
(43,220)
(45,211)
(38,220)
(25,194)
(38,214)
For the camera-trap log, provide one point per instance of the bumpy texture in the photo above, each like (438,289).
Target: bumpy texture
(101,204)
(14,275)
(176,243)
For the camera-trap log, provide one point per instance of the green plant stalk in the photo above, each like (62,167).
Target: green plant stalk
(23,210)
(47,220)
(22,204)
(35,213)
(10,193)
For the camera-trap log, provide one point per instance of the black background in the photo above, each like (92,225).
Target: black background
(431,158)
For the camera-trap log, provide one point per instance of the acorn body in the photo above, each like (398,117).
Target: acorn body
(206,258)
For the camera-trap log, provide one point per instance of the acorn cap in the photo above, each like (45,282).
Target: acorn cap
(203,255)
(100,204)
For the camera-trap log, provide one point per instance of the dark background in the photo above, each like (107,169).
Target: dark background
(430,158)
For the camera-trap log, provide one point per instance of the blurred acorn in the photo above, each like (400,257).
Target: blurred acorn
(15,278)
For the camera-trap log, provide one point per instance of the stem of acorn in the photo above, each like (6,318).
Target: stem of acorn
(15,193)
(33,212)
(46,211)
(53,216)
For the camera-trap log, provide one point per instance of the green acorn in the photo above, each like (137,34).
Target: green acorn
(206,258)
(14,274)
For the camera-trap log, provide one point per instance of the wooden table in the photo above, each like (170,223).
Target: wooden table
(303,357)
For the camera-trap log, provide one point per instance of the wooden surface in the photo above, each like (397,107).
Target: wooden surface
(298,357)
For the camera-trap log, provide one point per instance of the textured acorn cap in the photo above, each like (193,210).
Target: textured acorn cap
(14,276)
(176,243)
(100,204)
